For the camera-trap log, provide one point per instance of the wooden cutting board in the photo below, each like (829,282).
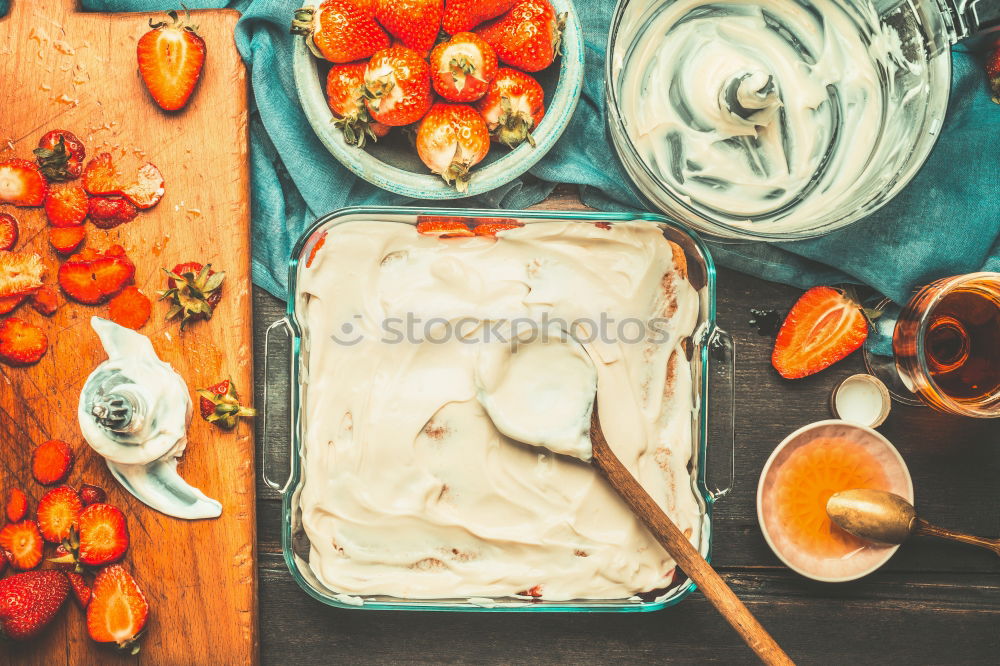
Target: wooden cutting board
(64,69)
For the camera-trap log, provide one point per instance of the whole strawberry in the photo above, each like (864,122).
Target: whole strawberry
(345,93)
(513,107)
(29,601)
(527,37)
(340,31)
(464,15)
(220,404)
(60,155)
(993,71)
(397,86)
(171,56)
(415,23)
(463,67)
(451,139)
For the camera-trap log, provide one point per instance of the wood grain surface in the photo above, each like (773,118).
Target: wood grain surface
(932,603)
(75,71)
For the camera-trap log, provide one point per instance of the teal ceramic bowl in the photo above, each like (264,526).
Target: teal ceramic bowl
(392,163)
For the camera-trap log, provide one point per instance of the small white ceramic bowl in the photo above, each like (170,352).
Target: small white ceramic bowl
(392,163)
(859,564)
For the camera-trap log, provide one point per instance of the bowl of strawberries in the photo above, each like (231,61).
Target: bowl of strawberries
(438,99)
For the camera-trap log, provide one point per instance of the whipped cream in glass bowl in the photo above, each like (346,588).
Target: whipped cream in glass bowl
(774,119)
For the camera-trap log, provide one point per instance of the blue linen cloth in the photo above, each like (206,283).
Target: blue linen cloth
(946,222)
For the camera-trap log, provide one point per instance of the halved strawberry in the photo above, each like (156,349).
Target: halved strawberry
(492,227)
(10,303)
(66,206)
(60,155)
(92,494)
(21,343)
(17,505)
(220,404)
(65,240)
(108,213)
(81,591)
(131,308)
(23,543)
(148,188)
(445,227)
(171,57)
(45,301)
(101,177)
(21,183)
(57,513)
(118,609)
(823,327)
(51,462)
(8,232)
(93,276)
(103,535)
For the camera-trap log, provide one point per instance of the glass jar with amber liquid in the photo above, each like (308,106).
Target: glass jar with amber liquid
(946,346)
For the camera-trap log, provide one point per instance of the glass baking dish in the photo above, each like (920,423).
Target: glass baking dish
(710,344)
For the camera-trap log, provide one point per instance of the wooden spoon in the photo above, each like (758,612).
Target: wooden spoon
(679,547)
(877,515)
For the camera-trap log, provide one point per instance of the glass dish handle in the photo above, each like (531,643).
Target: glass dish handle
(265,410)
(722,406)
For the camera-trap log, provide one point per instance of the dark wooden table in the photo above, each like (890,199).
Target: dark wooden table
(933,603)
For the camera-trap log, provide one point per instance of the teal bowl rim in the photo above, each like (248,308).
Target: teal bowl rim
(498,173)
(436,605)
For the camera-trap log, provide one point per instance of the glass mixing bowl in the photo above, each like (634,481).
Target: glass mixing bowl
(746,119)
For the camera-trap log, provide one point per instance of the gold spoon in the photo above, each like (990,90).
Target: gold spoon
(883,517)
(677,545)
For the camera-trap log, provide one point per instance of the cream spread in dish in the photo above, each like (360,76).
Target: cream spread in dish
(409,489)
(769,114)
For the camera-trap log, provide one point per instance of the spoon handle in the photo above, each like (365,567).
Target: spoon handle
(690,560)
(923,528)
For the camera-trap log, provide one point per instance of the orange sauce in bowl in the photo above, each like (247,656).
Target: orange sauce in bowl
(807,479)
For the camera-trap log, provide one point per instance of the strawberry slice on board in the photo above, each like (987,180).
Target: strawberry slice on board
(21,342)
(171,56)
(67,206)
(21,183)
(51,462)
(93,276)
(823,327)
(131,308)
(45,301)
(65,240)
(108,212)
(17,505)
(101,177)
(103,534)
(29,601)
(118,609)
(148,188)
(9,232)
(57,512)
(23,544)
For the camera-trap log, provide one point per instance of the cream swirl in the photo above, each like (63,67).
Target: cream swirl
(410,490)
(771,114)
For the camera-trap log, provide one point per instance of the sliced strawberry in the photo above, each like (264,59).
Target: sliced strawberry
(23,543)
(60,155)
(81,591)
(51,462)
(65,240)
(445,227)
(8,232)
(45,301)
(67,206)
(17,505)
(103,535)
(315,250)
(148,188)
(92,494)
(10,303)
(21,183)
(21,343)
(493,227)
(20,274)
(131,309)
(118,609)
(57,513)
(107,213)
(823,327)
(93,276)
(101,177)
